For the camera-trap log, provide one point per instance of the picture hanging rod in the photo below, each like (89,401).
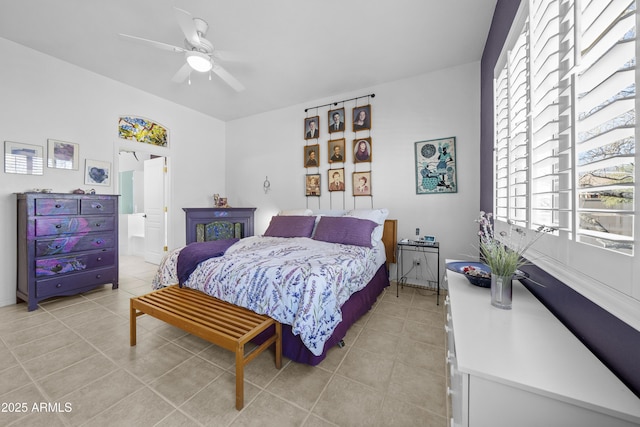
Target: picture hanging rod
(373,95)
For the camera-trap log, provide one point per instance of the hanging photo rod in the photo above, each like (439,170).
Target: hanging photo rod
(373,95)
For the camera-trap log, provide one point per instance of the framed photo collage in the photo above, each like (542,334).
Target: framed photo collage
(338,151)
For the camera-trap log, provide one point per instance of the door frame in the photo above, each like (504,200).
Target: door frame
(126,145)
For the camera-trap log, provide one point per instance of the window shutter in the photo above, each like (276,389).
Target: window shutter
(605,126)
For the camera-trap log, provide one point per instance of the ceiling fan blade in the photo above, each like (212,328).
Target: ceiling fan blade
(188,27)
(228,78)
(228,56)
(182,74)
(154,43)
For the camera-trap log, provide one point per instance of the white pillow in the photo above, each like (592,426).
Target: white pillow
(376,215)
(296,212)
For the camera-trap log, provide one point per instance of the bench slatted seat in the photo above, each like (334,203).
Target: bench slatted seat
(219,322)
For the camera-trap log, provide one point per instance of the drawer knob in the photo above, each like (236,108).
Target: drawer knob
(99,258)
(98,206)
(99,241)
(97,224)
(58,225)
(58,206)
(59,285)
(98,276)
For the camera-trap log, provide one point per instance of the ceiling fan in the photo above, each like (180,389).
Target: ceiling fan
(199,52)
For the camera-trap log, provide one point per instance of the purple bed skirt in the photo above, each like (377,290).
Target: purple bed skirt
(355,307)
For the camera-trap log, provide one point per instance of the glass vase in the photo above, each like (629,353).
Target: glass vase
(501,291)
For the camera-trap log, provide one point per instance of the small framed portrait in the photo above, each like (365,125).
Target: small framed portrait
(362,183)
(335,148)
(97,173)
(312,184)
(336,120)
(312,127)
(311,156)
(362,150)
(362,118)
(336,179)
(22,158)
(62,154)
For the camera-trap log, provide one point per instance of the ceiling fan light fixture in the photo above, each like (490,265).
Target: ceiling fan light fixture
(199,61)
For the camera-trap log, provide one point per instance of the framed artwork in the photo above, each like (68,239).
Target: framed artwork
(312,127)
(362,183)
(143,130)
(336,120)
(335,149)
(361,118)
(362,150)
(312,184)
(62,154)
(436,166)
(97,173)
(22,158)
(311,156)
(336,179)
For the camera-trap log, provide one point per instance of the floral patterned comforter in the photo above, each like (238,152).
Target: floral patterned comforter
(297,281)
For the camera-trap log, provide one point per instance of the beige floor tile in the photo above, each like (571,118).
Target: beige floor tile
(99,395)
(268,410)
(398,413)
(348,403)
(52,361)
(215,405)
(372,369)
(141,408)
(27,395)
(419,387)
(148,366)
(300,384)
(6,358)
(66,381)
(33,333)
(178,419)
(11,379)
(315,421)
(430,334)
(378,342)
(44,345)
(19,320)
(422,356)
(186,380)
(392,309)
(384,323)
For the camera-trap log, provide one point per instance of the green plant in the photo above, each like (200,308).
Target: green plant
(504,255)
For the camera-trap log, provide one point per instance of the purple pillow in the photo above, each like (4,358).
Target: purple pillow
(290,226)
(345,230)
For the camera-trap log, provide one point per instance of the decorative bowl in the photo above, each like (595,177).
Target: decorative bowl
(477,273)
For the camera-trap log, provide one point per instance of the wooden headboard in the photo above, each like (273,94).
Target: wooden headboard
(390,240)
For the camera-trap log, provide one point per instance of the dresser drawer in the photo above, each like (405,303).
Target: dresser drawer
(64,245)
(69,264)
(56,206)
(62,284)
(97,206)
(75,225)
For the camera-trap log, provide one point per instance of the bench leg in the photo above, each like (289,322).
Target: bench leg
(278,345)
(132,324)
(239,377)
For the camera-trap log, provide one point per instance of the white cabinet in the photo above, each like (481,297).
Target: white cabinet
(523,367)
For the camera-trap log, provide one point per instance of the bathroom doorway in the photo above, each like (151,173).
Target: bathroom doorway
(142,182)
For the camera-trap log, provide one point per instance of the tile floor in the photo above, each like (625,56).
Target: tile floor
(69,363)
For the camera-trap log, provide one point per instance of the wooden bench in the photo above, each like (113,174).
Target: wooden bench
(221,323)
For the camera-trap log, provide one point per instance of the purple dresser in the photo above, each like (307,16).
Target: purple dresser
(67,244)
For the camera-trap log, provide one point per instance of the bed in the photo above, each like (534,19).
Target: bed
(317,274)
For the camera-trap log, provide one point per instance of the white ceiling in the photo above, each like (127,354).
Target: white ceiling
(292,51)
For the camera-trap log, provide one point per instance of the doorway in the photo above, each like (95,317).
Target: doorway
(142,184)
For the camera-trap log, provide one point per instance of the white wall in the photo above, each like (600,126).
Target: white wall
(42,97)
(435,105)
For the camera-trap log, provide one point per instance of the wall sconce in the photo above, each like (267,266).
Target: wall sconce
(266,185)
